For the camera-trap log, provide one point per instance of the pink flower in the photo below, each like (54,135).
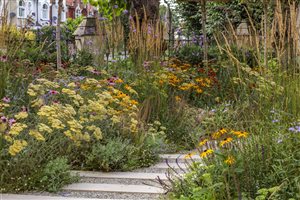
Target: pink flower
(3,119)
(11,122)
(3,58)
(6,99)
(53,92)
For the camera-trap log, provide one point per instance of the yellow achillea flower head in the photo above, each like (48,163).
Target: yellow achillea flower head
(203,142)
(17,128)
(21,115)
(230,160)
(189,155)
(98,134)
(37,135)
(206,153)
(226,141)
(16,147)
(44,128)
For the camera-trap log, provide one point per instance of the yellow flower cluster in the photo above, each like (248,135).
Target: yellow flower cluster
(16,147)
(184,78)
(75,109)
(225,139)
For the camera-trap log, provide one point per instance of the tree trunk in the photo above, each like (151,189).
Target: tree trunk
(265,4)
(150,6)
(58,35)
(205,44)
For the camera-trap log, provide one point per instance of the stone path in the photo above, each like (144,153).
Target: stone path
(137,185)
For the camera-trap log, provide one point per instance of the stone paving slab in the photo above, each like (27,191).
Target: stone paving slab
(172,165)
(118,188)
(34,197)
(179,156)
(120,175)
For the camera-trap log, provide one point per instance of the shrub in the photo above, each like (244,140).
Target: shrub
(110,156)
(54,175)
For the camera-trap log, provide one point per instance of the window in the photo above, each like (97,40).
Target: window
(45,13)
(21,10)
(29,5)
(77,12)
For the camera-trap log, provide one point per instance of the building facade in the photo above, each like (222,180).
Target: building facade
(39,13)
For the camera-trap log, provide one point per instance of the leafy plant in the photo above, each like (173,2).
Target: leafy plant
(55,175)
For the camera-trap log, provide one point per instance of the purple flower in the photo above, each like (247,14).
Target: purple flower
(275,120)
(6,100)
(295,129)
(116,6)
(113,61)
(11,122)
(130,17)
(3,119)
(125,12)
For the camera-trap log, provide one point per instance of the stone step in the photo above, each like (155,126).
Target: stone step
(40,197)
(113,191)
(165,167)
(179,158)
(130,178)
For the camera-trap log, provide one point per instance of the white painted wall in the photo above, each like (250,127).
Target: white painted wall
(37,10)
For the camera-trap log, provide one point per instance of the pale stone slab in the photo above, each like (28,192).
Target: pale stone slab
(34,197)
(172,165)
(179,156)
(93,187)
(120,175)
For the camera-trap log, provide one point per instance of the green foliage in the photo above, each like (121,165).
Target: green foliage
(55,175)
(218,15)
(110,156)
(120,154)
(200,183)
(192,54)
(83,58)
(108,8)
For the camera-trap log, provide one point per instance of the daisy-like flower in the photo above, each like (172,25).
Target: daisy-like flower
(243,135)
(206,153)
(203,142)
(218,134)
(226,141)
(189,155)
(230,160)
(240,134)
